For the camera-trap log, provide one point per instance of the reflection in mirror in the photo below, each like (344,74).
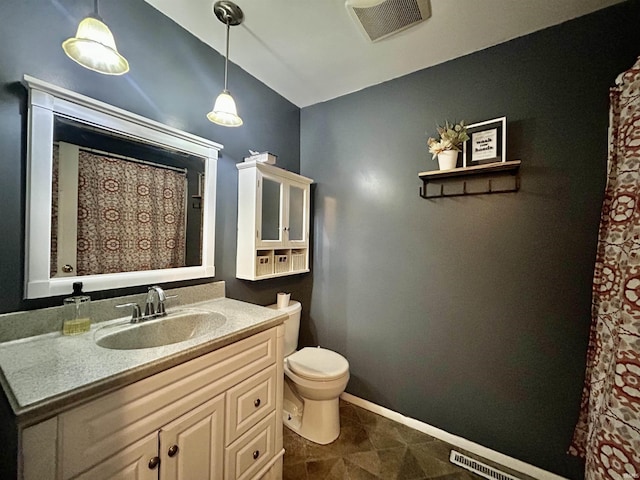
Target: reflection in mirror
(127,201)
(126,205)
(296,213)
(270,209)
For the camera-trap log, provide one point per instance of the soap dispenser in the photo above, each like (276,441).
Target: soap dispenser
(77,314)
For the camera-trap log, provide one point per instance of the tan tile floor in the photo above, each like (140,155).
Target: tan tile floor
(370,447)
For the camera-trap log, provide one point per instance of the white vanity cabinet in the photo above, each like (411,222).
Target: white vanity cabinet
(215,417)
(273,222)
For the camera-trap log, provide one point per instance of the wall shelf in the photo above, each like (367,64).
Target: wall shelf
(511,170)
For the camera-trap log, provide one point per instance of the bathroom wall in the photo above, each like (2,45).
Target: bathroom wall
(470,313)
(174,79)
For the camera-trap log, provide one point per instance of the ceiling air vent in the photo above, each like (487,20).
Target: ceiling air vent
(380,19)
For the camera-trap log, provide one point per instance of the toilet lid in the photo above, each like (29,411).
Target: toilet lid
(318,364)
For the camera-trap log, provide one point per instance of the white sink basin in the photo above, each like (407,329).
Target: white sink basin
(174,328)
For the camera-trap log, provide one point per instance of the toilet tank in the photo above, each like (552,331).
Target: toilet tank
(291,325)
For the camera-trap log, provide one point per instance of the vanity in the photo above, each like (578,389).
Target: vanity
(208,407)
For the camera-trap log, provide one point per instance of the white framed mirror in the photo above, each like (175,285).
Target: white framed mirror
(70,137)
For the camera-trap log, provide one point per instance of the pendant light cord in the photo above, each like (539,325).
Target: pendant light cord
(96,13)
(226,57)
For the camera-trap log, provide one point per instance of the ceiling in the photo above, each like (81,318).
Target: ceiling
(310,51)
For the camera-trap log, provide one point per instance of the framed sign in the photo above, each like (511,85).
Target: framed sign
(487,142)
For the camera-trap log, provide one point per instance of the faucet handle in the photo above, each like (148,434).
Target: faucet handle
(135,311)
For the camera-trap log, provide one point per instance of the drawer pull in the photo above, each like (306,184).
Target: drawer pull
(256,454)
(256,403)
(153,463)
(173,450)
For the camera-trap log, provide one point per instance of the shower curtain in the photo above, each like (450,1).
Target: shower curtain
(131,216)
(607,435)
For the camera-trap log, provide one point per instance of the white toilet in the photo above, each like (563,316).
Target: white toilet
(314,379)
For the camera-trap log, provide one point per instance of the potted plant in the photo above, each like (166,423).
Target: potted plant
(448,146)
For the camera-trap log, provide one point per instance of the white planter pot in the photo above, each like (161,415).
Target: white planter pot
(447,160)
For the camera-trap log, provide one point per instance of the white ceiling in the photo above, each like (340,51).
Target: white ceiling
(310,51)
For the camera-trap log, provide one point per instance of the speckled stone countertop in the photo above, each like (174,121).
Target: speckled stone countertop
(46,374)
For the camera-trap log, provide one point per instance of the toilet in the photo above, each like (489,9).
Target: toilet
(314,379)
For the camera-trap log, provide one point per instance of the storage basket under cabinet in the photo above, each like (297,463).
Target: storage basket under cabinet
(281,263)
(298,260)
(264,265)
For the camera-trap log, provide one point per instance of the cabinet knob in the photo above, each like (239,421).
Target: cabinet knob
(67,268)
(173,450)
(154,462)
(256,454)
(256,402)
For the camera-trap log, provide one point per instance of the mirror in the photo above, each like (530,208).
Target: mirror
(120,205)
(81,151)
(296,213)
(270,209)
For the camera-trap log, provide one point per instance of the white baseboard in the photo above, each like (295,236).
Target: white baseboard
(462,443)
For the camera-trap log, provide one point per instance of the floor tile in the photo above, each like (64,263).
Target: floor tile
(370,447)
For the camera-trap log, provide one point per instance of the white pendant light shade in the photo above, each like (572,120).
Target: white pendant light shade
(94,48)
(224,111)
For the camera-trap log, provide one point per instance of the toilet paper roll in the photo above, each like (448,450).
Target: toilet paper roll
(283,300)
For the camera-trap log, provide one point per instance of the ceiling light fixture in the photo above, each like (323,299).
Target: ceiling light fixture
(94,48)
(224,110)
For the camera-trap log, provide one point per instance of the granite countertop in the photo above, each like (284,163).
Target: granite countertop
(46,374)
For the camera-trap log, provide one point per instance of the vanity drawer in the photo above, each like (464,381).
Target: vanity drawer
(252,451)
(249,402)
(96,430)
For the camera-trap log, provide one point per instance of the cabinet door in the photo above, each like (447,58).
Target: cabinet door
(297,218)
(132,463)
(191,447)
(270,211)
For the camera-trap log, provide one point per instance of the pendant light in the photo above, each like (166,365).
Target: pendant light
(224,110)
(94,48)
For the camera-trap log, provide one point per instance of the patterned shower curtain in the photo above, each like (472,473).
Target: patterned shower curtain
(131,216)
(607,435)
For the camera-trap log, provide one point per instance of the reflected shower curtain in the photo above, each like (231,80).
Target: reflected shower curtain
(131,216)
(607,435)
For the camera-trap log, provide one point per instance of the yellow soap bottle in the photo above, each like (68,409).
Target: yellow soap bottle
(77,314)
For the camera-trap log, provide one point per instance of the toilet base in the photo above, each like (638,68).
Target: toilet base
(316,420)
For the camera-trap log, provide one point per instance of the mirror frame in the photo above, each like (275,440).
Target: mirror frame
(46,101)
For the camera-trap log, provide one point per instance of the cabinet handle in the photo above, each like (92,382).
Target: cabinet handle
(153,463)
(256,403)
(173,450)
(256,454)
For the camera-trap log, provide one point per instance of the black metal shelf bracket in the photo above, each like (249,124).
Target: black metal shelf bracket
(511,169)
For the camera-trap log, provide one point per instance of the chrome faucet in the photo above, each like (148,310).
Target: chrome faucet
(152,309)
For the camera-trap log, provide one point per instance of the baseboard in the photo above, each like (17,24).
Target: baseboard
(459,442)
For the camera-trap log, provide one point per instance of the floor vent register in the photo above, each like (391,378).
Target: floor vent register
(479,468)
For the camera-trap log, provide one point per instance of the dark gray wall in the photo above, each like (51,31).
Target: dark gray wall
(174,79)
(470,313)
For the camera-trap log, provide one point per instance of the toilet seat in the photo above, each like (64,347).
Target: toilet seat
(318,364)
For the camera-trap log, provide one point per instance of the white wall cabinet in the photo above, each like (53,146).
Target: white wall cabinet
(217,417)
(273,222)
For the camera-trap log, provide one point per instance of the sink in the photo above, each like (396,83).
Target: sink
(174,328)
